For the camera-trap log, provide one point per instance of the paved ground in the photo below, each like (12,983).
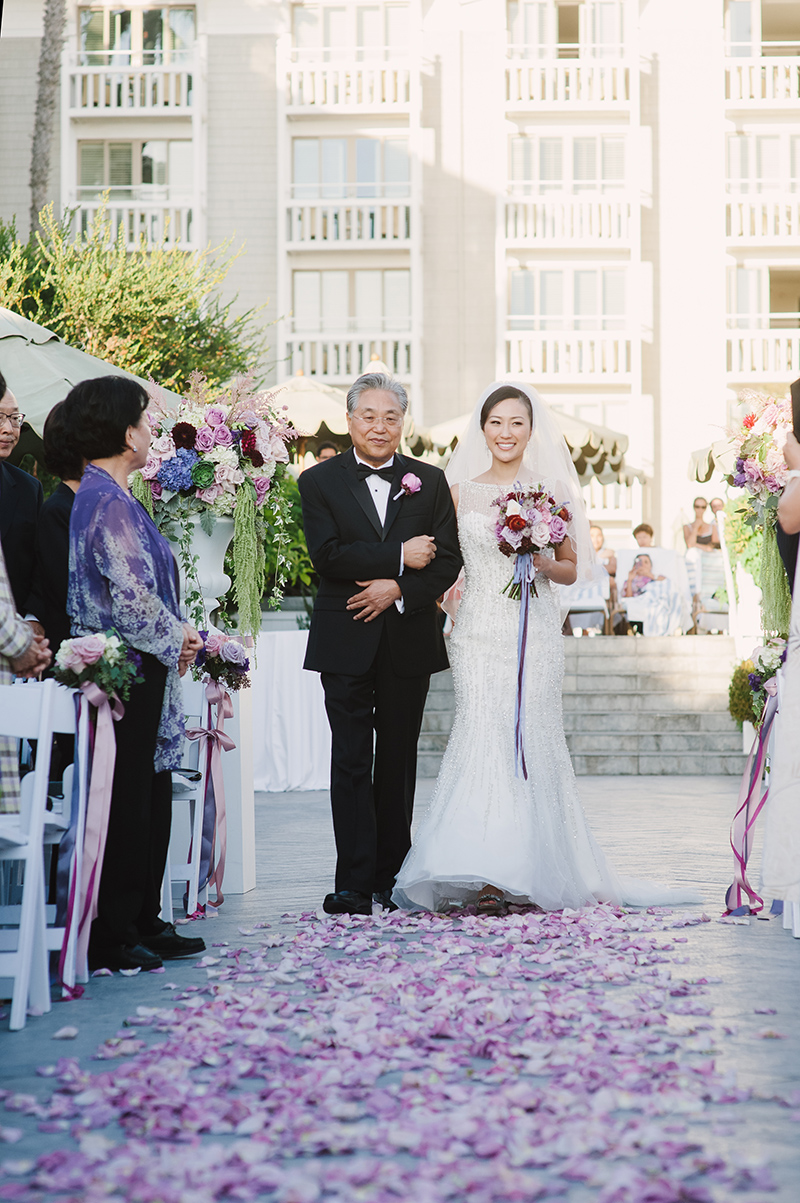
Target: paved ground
(674,830)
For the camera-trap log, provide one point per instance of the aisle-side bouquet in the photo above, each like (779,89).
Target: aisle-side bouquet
(223,658)
(102,659)
(530,520)
(221,453)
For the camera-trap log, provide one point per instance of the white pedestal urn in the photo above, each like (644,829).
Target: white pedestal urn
(237,765)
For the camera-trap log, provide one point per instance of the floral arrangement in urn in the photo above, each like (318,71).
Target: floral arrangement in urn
(761,471)
(220,454)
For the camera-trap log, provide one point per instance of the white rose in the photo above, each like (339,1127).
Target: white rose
(513,507)
(540,534)
(228,477)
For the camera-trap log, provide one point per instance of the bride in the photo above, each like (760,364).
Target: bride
(490,836)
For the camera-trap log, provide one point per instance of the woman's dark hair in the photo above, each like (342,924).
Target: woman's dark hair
(60,456)
(643,526)
(326,447)
(506,392)
(98,413)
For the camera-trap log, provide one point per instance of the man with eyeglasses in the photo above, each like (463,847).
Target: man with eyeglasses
(21,499)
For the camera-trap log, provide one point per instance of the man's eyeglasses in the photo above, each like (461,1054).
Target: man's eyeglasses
(12,420)
(390,421)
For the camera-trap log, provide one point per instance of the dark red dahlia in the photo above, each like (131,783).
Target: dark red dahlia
(248,445)
(184,435)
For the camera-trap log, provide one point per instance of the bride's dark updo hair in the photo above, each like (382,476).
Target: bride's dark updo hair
(506,392)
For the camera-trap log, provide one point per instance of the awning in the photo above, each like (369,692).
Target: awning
(40,368)
(719,457)
(312,405)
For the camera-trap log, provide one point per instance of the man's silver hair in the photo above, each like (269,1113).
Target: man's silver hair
(376,380)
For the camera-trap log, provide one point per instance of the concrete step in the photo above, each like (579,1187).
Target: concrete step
(637,700)
(597,743)
(692,764)
(648,721)
(709,680)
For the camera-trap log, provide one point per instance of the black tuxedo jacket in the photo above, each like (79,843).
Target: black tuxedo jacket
(48,596)
(347,544)
(20,501)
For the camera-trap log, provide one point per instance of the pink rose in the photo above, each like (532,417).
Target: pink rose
(411,483)
(209,495)
(214,641)
(262,484)
(150,470)
(223,436)
(205,439)
(228,477)
(278,451)
(163,447)
(89,648)
(540,534)
(215,416)
(558,529)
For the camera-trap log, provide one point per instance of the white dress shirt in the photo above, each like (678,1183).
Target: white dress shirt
(379,491)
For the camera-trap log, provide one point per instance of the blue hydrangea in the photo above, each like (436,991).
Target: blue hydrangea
(175,474)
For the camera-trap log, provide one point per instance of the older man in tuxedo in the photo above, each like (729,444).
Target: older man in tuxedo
(381,532)
(21,499)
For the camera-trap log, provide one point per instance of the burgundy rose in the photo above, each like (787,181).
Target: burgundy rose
(184,435)
(515,522)
(248,446)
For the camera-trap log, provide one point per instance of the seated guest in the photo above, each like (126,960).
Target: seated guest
(48,598)
(657,607)
(122,577)
(20,501)
(326,451)
(640,576)
(700,533)
(643,534)
(22,654)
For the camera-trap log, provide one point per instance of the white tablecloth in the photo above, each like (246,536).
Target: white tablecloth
(291,737)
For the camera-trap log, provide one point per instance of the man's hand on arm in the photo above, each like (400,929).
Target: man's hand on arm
(34,659)
(375,597)
(418,552)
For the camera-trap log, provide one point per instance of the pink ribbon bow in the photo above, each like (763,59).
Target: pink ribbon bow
(215,825)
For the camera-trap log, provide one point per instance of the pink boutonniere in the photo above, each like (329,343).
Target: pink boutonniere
(410,484)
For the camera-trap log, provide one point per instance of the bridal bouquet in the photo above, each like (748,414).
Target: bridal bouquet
(223,658)
(529,520)
(220,454)
(102,659)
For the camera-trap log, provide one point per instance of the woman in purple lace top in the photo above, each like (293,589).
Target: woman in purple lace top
(122,576)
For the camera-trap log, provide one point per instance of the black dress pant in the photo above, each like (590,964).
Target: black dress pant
(373,798)
(139,821)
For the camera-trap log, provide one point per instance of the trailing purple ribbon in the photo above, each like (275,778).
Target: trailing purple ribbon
(745,818)
(214,812)
(523,576)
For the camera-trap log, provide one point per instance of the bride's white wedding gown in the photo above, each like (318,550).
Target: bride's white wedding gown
(485,825)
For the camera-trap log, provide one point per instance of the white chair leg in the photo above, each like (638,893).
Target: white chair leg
(30,943)
(166,892)
(787,914)
(795,907)
(39,987)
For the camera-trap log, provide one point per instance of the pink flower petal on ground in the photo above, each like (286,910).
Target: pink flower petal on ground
(65,1033)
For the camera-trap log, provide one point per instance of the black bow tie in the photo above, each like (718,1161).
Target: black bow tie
(365,471)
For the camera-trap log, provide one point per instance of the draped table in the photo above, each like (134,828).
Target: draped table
(291,737)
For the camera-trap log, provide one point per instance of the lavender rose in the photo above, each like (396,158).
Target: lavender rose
(558,529)
(205,438)
(223,436)
(215,416)
(233,653)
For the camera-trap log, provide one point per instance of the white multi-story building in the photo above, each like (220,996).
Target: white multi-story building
(601,197)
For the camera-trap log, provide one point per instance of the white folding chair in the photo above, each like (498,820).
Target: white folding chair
(186,839)
(587,597)
(32,711)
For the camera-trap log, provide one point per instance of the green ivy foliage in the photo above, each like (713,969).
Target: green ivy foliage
(297,569)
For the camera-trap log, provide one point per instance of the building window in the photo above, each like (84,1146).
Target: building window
(567,299)
(764,163)
(594,163)
(338,168)
(149,170)
(342,302)
(139,37)
(379,30)
(565,29)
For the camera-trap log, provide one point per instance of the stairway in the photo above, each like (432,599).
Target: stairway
(632,706)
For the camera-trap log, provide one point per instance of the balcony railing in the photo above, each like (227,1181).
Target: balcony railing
(130,90)
(570,358)
(347,224)
(763,220)
(563,84)
(349,87)
(765,355)
(763,82)
(150,220)
(568,221)
(339,359)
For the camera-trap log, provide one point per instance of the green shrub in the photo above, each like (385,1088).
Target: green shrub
(740,695)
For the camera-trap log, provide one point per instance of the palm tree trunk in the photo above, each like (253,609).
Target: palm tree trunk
(55,16)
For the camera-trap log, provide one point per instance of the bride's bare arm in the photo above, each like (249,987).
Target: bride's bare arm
(563,569)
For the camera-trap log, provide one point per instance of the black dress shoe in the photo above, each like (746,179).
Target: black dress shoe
(347,902)
(169,945)
(124,956)
(384,899)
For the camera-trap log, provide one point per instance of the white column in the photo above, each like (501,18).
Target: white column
(237,773)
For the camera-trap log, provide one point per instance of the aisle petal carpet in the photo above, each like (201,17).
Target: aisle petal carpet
(422,1058)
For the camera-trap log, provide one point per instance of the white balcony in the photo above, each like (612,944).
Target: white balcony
(348,87)
(568,221)
(345,225)
(340,358)
(764,356)
(570,358)
(131,91)
(564,84)
(763,220)
(152,220)
(763,83)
